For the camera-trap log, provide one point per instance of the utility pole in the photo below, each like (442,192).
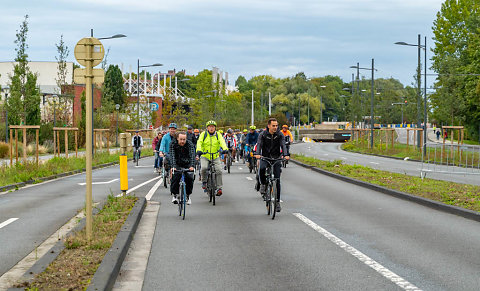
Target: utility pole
(253,118)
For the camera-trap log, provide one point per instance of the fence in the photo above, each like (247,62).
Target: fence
(451,159)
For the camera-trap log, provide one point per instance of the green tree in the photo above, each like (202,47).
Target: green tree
(24,101)
(113,87)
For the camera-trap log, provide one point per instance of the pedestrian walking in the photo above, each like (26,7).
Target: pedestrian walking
(438,134)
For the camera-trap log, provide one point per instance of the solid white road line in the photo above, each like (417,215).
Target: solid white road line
(7,222)
(99,183)
(153,190)
(399,281)
(140,185)
(143,166)
(374,163)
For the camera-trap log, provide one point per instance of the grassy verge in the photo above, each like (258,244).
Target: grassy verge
(75,266)
(21,172)
(466,196)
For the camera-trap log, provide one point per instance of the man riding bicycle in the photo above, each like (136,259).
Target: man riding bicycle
(251,141)
(288,137)
(157,141)
(243,142)
(231,142)
(137,144)
(165,145)
(271,144)
(211,141)
(182,153)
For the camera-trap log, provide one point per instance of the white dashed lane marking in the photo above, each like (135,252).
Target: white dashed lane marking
(7,222)
(399,281)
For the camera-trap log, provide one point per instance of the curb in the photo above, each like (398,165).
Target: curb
(462,212)
(107,272)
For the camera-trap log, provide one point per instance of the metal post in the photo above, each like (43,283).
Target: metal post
(358,89)
(176,88)
(269,103)
(351,102)
(89,137)
(372,121)
(116,135)
(321,108)
(54,113)
(138,93)
(253,117)
(308,110)
(6,118)
(93,109)
(425,116)
(419,91)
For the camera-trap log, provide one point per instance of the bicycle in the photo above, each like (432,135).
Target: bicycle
(229,160)
(182,202)
(272,195)
(136,154)
(165,173)
(211,177)
(252,164)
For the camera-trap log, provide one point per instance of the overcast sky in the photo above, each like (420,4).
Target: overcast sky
(242,37)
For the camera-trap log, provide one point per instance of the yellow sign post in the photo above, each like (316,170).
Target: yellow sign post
(89,52)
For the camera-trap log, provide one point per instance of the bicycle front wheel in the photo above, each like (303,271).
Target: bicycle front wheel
(184,202)
(274,199)
(268,200)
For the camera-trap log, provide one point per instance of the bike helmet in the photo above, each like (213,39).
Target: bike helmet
(245,130)
(190,127)
(173,124)
(211,122)
(196,130)
(253,127)
(229,130)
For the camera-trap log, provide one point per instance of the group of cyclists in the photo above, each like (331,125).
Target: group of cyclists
(184,150)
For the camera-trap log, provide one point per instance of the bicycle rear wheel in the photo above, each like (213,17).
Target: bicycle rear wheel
(138,157)
(229,163)
(180,202)
(164,174)
(274,199)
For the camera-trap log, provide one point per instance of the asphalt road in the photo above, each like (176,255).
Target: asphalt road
(356,239)
(43,208)
(332,151)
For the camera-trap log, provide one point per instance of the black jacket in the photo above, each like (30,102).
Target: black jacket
(182,156)
(269,145)
(191,137)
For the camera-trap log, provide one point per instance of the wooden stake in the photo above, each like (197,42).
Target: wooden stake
(36,151)
(66,143)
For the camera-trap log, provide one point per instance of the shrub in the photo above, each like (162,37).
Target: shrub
(4,150)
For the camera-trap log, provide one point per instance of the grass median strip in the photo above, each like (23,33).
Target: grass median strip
(75,266)
(22,172)
(462,195)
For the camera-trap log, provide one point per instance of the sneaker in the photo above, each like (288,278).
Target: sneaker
(174,199)
(257,186)
(279,208)
(263,189)
(189,200)
(204,185)
(219,192)
(225,167)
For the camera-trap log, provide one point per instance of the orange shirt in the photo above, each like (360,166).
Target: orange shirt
(285,133)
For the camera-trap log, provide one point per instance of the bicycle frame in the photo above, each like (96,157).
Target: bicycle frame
(182,204)
(271,186)
(211,177)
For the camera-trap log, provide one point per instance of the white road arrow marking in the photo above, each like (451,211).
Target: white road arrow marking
(7,222)
(99,183)
(140,185)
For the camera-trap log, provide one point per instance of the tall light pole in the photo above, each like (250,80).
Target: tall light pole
(420,46)
(372,121)
(6,115)
(138,87)
(253,118)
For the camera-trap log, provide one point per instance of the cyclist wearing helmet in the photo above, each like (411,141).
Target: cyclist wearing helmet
(251,140)
(231,142)
(211,141)
(243,142)
(166,140)
(288,137)
(137,144)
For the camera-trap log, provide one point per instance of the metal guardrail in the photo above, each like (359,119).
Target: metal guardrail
(455,159)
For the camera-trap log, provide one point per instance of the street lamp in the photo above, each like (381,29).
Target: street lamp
(117,107)
(372,98)
(138,87)
(420,46)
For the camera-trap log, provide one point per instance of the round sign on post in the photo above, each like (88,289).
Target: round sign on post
(98,52)
(154,106)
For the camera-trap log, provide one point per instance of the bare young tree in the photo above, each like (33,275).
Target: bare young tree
(61,79)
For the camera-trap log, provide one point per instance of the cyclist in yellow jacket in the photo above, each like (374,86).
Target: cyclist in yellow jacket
(211,141)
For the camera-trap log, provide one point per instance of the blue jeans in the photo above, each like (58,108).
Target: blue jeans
(158,161)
